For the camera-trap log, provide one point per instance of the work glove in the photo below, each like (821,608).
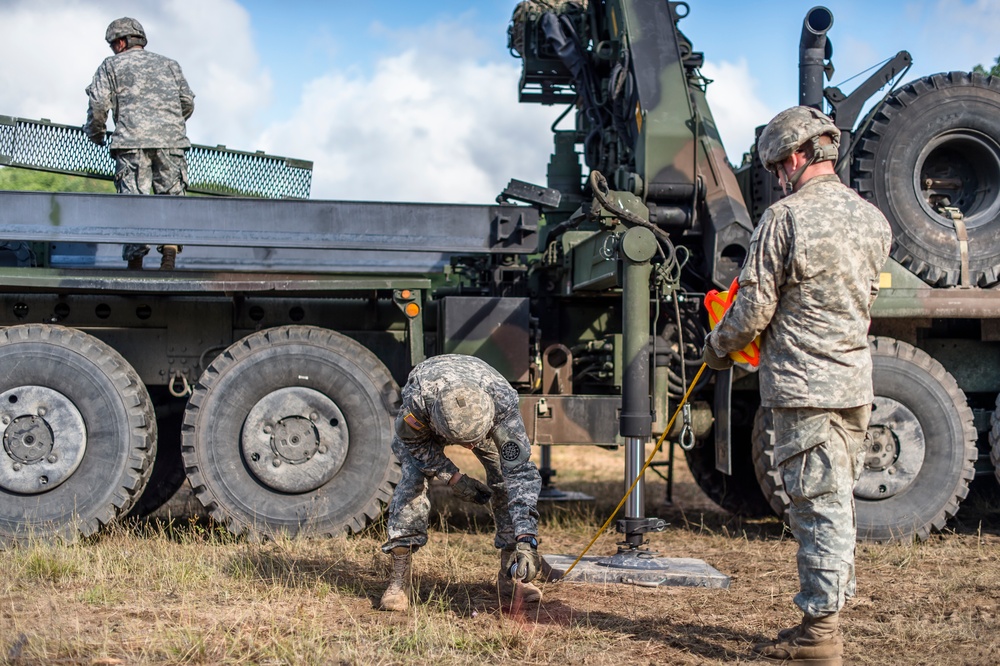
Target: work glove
(713,360)
(469,489)
(526,561)
(98,137)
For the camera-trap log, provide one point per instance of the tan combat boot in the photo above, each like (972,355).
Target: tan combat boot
(397,596)
(816,642)
(168,260)
(511,589)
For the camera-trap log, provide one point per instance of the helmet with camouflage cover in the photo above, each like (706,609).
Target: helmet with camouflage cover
(463,413)
(125,27)
(793,128)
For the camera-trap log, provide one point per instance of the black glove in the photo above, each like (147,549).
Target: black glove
(713,360)
(526,562)
(469,489)
(98,137)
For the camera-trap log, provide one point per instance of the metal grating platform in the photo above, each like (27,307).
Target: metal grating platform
(47,146)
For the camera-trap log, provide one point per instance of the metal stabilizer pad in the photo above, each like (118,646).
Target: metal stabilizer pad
(553,494)
(634,569)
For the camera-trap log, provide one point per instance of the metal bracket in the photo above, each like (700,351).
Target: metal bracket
(512,226)
(640,525)
(536,195)
(847,108)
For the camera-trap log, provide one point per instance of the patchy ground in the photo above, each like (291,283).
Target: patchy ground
(189,594)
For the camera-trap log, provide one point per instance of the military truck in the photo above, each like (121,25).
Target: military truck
(266,368)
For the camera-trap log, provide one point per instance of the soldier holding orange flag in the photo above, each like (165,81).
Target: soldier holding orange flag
(807,289)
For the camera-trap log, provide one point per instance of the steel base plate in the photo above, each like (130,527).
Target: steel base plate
(551,494)
(648,572)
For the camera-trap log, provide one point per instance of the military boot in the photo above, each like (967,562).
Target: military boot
(397,596)
(514,589)
(816,642)
(168,260)
(789,633)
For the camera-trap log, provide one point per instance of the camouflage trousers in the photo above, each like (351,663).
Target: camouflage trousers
(820,454)
(410,507)
(137,170)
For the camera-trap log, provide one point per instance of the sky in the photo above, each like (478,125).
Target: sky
(400,100)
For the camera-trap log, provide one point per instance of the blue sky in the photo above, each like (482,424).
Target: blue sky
(397,100)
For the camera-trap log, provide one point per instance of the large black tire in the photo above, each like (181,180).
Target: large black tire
(943,128)
(995,440)
(767,472)
(289,431)
(167,475)
(79,434)
(740,494)
(923,451)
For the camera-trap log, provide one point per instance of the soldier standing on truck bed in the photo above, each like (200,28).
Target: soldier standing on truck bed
(456,399)
(807,288)
(151,101)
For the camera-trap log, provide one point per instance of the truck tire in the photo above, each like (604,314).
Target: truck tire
(79,435)
(740,494)
(995,440)
(922,459)
(767,473)
(167,475)
(943,128)
(289,431)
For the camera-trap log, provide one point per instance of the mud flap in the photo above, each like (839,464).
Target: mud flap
(723,400)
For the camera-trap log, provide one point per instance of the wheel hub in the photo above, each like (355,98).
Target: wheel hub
(44,439)
(28,439)
(295,439)
(895,451)
(883,449)
(961,170)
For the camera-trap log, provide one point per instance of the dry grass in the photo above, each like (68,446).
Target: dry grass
(190,594)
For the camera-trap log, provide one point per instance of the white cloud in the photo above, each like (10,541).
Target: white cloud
(430,123)
(53,48)
(735,105)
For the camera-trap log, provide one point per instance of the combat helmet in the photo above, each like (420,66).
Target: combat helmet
(127,28)
(463,413)
(790,130)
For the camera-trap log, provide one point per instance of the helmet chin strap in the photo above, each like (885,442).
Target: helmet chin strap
(793,179)
(820,153)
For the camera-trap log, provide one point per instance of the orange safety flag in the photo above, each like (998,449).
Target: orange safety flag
(717,302)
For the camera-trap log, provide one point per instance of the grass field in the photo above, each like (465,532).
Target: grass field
(187,593)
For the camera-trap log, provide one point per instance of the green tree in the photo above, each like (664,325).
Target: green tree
(992,71)
(44,181)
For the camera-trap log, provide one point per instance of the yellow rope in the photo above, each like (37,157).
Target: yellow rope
(642,471)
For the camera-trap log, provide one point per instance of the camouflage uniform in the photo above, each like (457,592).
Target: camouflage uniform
(420,451)
(150,101)
(807,289)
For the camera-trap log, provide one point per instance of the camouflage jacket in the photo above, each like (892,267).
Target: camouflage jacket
(148,97)
(417,435)
(810,279)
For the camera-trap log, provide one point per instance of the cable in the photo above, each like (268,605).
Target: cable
(642,471)
(599,186)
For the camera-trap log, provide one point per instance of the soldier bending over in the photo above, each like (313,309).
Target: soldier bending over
(455,399)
